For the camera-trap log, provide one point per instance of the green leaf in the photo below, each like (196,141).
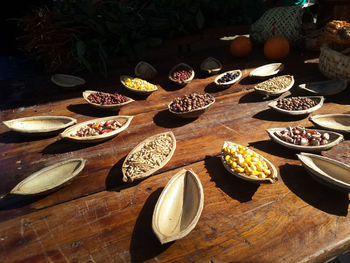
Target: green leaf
(200,19)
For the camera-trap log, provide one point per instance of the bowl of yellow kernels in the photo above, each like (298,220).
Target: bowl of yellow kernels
(247,164)
(137,85)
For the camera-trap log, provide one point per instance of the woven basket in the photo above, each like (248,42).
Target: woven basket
(334,64)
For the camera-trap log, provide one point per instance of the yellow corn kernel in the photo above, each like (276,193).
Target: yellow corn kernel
(227,157)
(239,169)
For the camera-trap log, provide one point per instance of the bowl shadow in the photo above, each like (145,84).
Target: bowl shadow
(143,233)
(11,201)
(253,97)
(88,110)
(251,81)
(312,192)
(213,88)
(64,146)
(168,120)
(15,137)
(271,115)
(275,149)
(236,188)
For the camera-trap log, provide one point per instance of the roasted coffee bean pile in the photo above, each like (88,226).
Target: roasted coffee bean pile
(107,98)
(191,102)
(303,136)
(296,103)
(228,77)
(181,73)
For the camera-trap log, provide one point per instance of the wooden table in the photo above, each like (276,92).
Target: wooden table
(98,218)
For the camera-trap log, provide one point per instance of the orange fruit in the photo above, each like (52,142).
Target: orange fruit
(241,46)
(276,47)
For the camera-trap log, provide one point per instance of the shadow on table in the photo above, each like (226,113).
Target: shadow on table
(213,88)
(253,97)
(250,81)
(271,115)
(64,146)
(10,201)
(88,110)
(15,137)
(167,120)
(144,244)
(236,188)
(312,192)
(275,149)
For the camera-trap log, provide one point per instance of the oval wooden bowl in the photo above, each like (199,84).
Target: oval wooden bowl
(67,81)
(273,106)
(275,93)
(333,122)
(272,179)
(117,106)
(40,125)
(192,113)
(266,71)
(327,171)
(335,138)
(145,70)
(179,207)
(325,88)
(208,65)
(49,178)
(181,83)
(129,179)
(229,83)
(144,92)
(124,120)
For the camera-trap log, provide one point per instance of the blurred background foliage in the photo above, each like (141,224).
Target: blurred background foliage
(89,34)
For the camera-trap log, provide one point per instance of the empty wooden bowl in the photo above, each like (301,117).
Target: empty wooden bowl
(266,71)
(49,178)
(183,82)
(40,125)
(179,207)
(327,171)
(116,106)
(145,70)
(325,88)
(333,122)
(211,65)
(67,81)
(123,79)
(320,99)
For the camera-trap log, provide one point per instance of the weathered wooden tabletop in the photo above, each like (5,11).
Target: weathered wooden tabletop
(98,218)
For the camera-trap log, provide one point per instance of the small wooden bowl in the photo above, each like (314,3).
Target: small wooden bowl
(272,179)
(181,83)
(192,113)
(117,106)
(145,70)
(229,83)
(211,65)
(273,106)
(333,122)
(325,88)
(143,92)
(335,139)
(275,93)
(266,71)
(67,81)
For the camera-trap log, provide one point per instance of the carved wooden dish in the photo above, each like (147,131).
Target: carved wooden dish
(67,81)
(273,106)
(211,65)
(49,178)
(334,122)
(327,171)
(275,93)
(335,138)
(266,71)
(192,113)
(123,120)
(181,83)
(272,179)
(229,83)
(148,169)
(325,88)
(123,78)
(145,70)
(116,106)
(179,207)
(40,125)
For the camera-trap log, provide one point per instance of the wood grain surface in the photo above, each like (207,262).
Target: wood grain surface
(99,218)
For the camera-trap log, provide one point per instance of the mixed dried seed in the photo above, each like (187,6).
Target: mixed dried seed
(149,156)
(94,129)
(275,84)
(296,103)
(302,136)
(191,102)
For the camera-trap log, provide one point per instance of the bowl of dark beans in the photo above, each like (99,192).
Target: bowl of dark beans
(305,139)
(297,105)
(228,78)
(192,105)
(108,101)
(181,74)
